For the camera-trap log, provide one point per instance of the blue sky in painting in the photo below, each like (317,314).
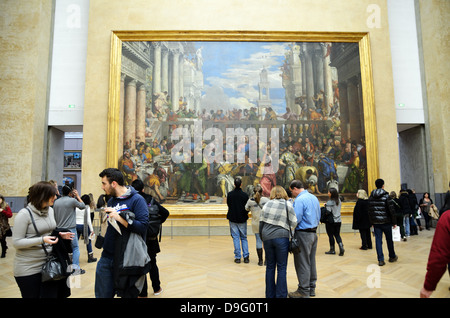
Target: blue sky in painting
(231,73)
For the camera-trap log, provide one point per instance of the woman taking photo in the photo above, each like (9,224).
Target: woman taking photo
(334,229)
(30,254)
(274,231)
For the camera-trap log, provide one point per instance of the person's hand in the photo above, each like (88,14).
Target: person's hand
(113,214)
(425,293)
(50,240)
(67,235)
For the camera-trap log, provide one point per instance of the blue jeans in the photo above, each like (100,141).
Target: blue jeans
(378,230)
(276,257)
(259,243)
(406,224)
(75,249)
(104,279)
(239,234)
(80,231)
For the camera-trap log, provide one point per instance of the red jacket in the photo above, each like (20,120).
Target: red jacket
(7,211)
(439,256)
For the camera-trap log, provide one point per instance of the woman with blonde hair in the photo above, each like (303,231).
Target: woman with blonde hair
(277,219)
(361,220)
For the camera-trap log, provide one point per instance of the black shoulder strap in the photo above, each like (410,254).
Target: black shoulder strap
(35,228)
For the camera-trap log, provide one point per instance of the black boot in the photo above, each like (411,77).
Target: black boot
(331,251)
(4,248)
(341,249)
(91,258)
(259,251)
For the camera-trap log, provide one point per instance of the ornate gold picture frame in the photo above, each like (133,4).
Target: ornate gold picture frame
(346,47)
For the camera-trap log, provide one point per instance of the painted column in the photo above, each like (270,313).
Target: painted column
(140,114)
(157,68)
(121,114)
(130,115)
(175,93)
(165,70)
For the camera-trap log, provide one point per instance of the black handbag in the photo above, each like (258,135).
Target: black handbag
(326,216)
(294,244)
(99,241)
(52,268)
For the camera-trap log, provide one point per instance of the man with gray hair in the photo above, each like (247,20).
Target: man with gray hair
(307,210)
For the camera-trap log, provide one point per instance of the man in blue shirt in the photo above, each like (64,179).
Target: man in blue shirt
(307,210)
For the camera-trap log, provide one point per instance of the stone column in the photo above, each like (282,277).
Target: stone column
(309,77)
(157,68)
(121,114)
(297,71)
(175,93)
(328,82)
(165,70)
(343,109)
(353,109)
(181,75)
(318,64)
(140,114)
(129,134)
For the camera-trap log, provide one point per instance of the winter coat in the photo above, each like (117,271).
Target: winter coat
(404,203)
(361,215)
(381,209)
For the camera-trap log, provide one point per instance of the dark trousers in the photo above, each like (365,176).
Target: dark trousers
(379,230)
(4,245)
(154,277)
(333,231)
(366,240)
(32,287)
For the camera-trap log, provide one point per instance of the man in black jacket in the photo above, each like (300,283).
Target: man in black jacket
(382,216)
(153,247)
(238,216)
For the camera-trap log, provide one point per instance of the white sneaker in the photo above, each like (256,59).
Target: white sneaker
(159,292)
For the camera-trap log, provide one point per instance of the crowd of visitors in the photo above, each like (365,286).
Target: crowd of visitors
(52,224)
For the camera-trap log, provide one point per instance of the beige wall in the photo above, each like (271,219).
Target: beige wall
(435,17)
(24,54)
(261,15)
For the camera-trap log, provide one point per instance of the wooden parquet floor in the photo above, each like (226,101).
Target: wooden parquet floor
(203,267)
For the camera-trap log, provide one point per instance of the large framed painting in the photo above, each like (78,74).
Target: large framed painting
(191,111)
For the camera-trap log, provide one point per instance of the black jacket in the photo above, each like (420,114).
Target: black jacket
(405,204)
(381,209)
(152,243)
(127,280)
(236,201)
(361,215)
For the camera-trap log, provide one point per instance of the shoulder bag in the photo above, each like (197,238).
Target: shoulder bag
(294,244)
(52,268)
(326,216)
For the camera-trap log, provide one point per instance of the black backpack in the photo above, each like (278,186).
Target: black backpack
(154,221)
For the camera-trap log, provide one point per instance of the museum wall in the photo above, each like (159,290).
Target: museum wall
(25,54)
(434,20)
(26,28)
(284,15)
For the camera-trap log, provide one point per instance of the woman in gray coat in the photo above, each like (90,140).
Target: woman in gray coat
(29,245)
